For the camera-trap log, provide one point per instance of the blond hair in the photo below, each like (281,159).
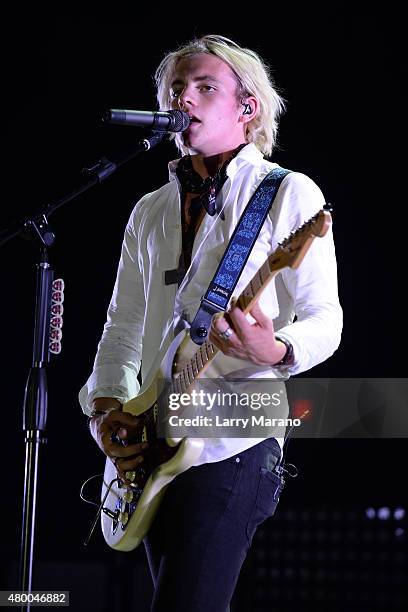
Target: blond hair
(253,79)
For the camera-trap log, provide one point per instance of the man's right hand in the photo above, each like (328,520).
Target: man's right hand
(106,428)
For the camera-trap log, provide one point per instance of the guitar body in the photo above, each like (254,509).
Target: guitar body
(135,507)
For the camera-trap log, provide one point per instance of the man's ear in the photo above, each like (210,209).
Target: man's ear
(250,109)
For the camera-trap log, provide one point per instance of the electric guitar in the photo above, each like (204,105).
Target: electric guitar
(128,511)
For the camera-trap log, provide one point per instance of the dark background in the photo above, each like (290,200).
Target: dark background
(340,68)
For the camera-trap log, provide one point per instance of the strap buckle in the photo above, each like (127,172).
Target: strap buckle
(202,321)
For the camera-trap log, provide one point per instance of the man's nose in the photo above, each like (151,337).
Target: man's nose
(185,99)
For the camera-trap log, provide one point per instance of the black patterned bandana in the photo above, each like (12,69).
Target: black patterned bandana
(206,189)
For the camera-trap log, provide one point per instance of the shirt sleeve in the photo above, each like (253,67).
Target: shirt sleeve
(118,357)
(312,289)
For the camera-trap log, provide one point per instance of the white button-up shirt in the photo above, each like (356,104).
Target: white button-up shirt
(144,311)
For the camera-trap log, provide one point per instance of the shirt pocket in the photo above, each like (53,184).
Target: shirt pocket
(163,248)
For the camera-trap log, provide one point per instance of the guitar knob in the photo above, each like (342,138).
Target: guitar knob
(128,496)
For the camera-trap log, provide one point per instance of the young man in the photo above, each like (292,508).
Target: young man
(209,514)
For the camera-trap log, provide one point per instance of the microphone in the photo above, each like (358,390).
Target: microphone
(161,121)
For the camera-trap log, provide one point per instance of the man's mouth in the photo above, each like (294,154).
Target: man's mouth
(193,121)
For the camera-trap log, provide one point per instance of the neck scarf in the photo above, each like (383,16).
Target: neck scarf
(206,189)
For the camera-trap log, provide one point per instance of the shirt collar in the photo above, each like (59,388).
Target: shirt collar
(249,154)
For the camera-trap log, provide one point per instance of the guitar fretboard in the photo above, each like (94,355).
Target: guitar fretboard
(194,367)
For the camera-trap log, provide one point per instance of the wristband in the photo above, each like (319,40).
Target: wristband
(289,358)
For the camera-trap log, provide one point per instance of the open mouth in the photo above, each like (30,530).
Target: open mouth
(193,122)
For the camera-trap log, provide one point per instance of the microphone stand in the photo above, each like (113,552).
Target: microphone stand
(36,391)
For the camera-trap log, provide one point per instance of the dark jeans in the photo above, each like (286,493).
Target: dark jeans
(204,528)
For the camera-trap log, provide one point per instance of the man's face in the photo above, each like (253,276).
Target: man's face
(205,87)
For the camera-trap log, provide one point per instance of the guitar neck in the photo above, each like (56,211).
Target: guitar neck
(252,292)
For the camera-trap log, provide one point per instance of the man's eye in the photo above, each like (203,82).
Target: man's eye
(207,88)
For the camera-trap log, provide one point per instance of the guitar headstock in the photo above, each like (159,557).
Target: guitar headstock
(292,250)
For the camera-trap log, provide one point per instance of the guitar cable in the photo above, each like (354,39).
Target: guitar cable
(113,515)
(81,495)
